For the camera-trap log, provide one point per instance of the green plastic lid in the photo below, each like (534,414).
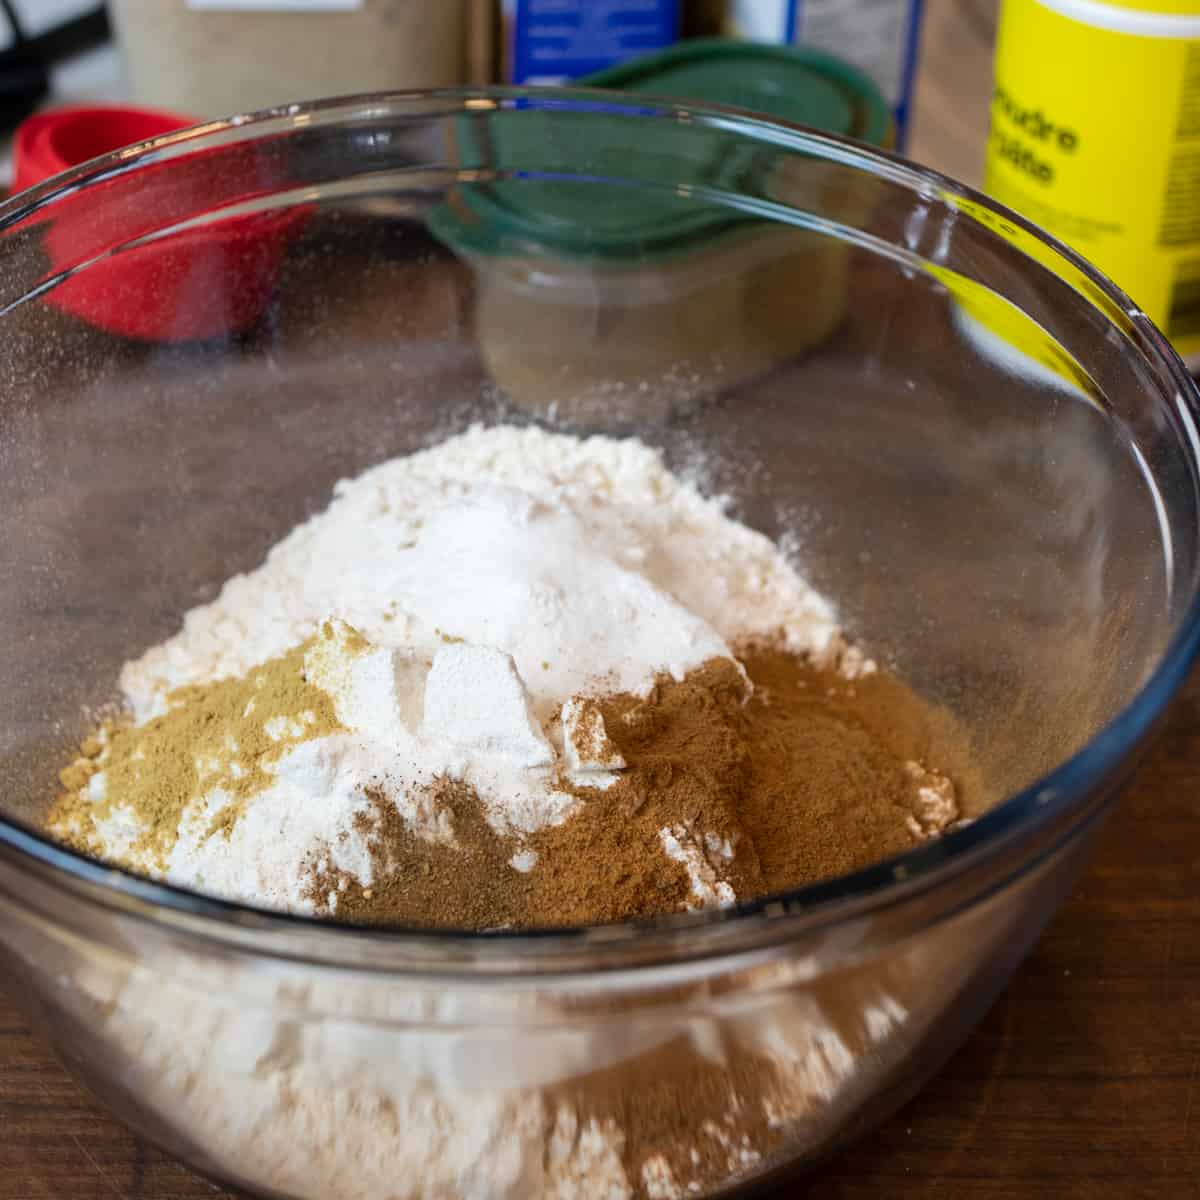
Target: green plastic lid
(788,83)
(572,213)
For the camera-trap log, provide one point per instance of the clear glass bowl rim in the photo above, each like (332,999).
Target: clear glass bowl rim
(864,892)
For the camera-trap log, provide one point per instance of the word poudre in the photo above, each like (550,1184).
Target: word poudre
(519,679)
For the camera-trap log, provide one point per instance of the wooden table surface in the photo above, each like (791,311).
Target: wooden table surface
(1083,1081)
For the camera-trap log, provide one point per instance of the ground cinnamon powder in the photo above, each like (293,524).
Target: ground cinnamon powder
(687,766)
(466,886)
(828,789)
(701,1118)
(805,773)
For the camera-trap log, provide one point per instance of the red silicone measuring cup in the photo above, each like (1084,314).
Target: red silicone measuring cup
(143,266)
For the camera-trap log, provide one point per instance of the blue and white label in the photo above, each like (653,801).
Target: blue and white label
(880,37)
(559,40)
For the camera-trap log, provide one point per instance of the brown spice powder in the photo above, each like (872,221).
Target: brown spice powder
(828,787)
(417,882)
(674,1104)
(686,765)
(810,777)
(714,1109)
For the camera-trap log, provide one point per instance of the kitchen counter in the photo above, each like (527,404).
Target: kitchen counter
(1083,1081)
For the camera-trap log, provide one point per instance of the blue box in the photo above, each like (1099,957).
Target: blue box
(554,41)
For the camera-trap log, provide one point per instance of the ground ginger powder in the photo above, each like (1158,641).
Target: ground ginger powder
(225,735)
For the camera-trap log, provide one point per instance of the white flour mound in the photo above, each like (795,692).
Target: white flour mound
(587,556)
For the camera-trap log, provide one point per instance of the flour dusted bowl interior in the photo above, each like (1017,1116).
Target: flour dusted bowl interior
(964,438)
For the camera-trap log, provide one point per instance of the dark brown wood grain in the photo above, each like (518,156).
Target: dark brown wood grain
(1083,1081)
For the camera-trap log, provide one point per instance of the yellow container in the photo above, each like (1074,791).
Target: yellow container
(1095,135)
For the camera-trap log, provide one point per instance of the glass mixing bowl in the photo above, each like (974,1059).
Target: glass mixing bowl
(968,439)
